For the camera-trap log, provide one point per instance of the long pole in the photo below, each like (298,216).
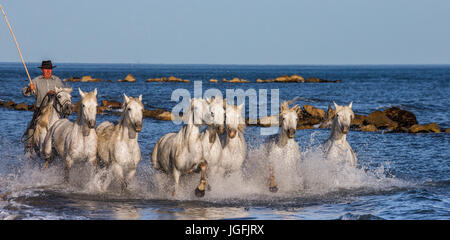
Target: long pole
(17,45)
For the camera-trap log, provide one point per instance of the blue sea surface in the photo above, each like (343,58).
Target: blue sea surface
(399,175)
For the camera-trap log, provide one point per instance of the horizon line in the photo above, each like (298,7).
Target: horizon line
(250,64)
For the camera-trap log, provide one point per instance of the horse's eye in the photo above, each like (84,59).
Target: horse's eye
(59,96)
(84,105)
(212,114)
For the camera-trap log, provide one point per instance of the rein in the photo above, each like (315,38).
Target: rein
(38,112)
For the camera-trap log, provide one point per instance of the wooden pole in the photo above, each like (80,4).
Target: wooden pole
(17,45)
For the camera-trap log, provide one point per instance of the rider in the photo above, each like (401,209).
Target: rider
(42,84)
(40,87)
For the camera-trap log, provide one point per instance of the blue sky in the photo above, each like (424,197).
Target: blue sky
(229,31)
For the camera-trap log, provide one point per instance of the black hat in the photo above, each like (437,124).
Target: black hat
(47,65)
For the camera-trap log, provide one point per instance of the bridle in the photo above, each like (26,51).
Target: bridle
(57,104)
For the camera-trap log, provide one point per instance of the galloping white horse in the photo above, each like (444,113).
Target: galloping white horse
(282,149)
(182,153)
(212,147)
(77,141)
(234,149)
(55,107)
(118,146)
(337,147)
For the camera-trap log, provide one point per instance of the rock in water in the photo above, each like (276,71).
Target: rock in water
(9,104)
(128,78)
(359,121)
(369,128)
(380,120)
(314,112)
(432,127)
(111,104)
(21,106)
(90,79)
(402,117)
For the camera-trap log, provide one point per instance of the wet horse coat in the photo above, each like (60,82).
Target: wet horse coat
(336,147)
(56,106)
(282,149)
(118,145)
(181,153)
(77,141)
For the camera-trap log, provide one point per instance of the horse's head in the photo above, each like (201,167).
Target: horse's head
(198,109)
(63,100)
(343,117)
(288,119)
(88,107)
(216,113)
(234,120)
(133,111)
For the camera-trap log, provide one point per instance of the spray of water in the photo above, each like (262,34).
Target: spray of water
(313,176)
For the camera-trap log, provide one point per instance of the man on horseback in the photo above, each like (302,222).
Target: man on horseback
(41,86)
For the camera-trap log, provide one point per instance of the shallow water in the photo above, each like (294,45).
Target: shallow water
(399,176)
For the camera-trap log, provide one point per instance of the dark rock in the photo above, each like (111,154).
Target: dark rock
(21,106)
(369,128)
(128,78)
(359,121)
(111,104)
(426,128)
(9,104)
(380,120)
(402,117)
(159,114)
(314,112)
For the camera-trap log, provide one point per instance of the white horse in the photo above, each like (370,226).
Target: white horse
(55,106)
(282,149)
(182,153)
(212,147)
(118,146)
(77,141)
(337,147)
(234,151)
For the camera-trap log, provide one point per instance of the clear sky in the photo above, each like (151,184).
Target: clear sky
(229,31)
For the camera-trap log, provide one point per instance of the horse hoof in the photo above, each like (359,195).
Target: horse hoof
(46,164)
(199,193)
(273,189)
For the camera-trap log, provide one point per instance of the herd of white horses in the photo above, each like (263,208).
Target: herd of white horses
(217,150)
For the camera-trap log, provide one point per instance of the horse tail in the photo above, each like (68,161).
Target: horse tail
(104,132)
(155,155)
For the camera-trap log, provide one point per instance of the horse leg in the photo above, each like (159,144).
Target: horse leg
(129,176)
(176,178)
(48,161)
(47,149)
(67,168)
(29,141)
(200,190)
(118,172)
(272,185)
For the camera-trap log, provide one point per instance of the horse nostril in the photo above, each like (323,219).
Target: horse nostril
(291,132)
(138,127)
(232,133)
(221,129)
(91,123)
